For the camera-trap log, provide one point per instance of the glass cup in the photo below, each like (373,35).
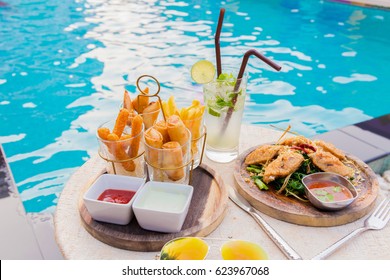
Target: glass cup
(224,109)
(124,156)
(169,163)
(198,134)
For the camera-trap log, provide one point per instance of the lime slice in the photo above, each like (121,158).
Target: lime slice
(203,72)
(214,112)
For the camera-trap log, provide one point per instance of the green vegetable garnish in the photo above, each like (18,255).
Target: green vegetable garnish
(253,169)
(222,103)
(337,189)
(260,184)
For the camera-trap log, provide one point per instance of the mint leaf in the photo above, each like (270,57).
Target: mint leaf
(222,103)
(225,77)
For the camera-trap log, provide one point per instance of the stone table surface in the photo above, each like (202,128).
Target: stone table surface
(76,243)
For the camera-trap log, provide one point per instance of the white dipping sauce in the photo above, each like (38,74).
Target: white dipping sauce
(163,200)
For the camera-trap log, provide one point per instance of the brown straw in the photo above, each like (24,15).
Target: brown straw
(238,82)
(216,38)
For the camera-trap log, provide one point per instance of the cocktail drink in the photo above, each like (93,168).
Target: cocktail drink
(221,98)
(224,100)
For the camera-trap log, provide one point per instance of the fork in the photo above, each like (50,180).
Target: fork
(377,220)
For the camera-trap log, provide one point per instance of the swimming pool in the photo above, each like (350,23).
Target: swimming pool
(64,66)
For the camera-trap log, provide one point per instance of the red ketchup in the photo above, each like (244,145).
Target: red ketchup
(116,196)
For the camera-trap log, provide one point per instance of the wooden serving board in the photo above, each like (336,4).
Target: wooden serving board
(292,210)
(206,212)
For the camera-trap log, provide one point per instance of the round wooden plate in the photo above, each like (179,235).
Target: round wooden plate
(206,212)
(292,210)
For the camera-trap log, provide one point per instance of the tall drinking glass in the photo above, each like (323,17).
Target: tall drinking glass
(224,109)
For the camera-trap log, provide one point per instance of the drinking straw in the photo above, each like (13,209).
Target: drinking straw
(216,39)
(238,82)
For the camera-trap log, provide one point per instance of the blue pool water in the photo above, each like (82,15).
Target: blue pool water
(64,65)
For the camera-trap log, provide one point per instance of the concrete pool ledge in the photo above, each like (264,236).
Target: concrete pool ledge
(383,4)
(22,236)
(30,236)
(368,140)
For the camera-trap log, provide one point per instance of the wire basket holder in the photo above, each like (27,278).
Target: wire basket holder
(191,161)
(145,94)
(155,94)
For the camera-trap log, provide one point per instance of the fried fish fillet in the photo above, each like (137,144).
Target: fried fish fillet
(285,164)
(330,163)
(296,141)
(328,147)
(262,154)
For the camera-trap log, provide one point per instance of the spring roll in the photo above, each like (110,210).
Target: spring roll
(161,126)
(173,160)
(150,114)
(177,130)
(154,140)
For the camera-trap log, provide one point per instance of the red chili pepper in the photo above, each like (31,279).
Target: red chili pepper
(298,148)
(308,146)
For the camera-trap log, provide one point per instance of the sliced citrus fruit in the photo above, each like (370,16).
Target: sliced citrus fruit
(185,248)
(203,72)
(242,250)
(214,113)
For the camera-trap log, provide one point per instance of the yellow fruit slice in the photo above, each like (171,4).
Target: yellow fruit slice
(203,72)
(185,248)
(242,250)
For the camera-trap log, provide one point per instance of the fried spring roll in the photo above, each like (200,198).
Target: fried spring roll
(150,114)
(141,101)
(177,130)
(154,139)
(173,160)
(161,126)
(121,122)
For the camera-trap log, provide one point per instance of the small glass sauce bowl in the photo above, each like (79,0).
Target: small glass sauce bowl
(329,191)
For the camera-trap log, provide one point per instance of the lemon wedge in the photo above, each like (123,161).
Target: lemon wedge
(203,71)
